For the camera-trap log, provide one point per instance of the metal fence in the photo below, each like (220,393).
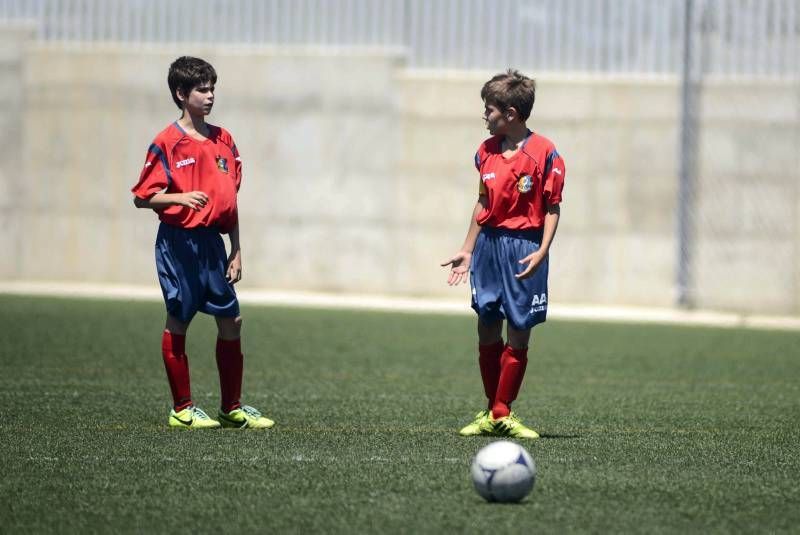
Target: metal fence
(736,37)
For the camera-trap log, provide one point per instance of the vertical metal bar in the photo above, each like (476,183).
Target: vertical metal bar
(614,37)
(773,50)
(40,19)
(688,143)
(647,39)
(272,36)
(125,22)
(740,37)
(721,52)
(136,23)
(425,36)
(365,16)
(502,36)
(435,41)
(762,39)
(583,39)
(377,16)
(398,23)
(744,50)
(554,58)
(567,52)
(109,14)
(623,22)
(452,32)
(420,53)
(636,40)
(661,31)
(791,40)
(541,55)
(602,36)
(79,20)
(466,32)
(597,30)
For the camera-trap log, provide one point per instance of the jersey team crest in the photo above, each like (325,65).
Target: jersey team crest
(525,183)
(222,164)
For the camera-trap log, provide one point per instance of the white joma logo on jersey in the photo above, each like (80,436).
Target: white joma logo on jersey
(181,163)
(557,171)
(487,176)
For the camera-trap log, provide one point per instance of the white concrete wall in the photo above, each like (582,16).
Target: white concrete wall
(748,255)
(13,43)
(359,176)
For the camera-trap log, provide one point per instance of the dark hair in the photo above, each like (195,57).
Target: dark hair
(511,89)
(186,73)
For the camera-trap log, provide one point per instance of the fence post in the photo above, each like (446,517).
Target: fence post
(690,82)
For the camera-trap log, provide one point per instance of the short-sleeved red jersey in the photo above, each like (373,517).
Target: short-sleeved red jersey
(178,163)
(519,188)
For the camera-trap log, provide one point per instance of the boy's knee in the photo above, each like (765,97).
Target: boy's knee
(229,328)
(519,339)
(489,333)
(236,325)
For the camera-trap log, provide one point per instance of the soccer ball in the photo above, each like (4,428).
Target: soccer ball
(503,472)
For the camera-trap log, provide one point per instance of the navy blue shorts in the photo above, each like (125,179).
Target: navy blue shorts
(496,293)
(191,265)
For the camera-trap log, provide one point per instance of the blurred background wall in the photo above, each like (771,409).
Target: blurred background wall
(358,120)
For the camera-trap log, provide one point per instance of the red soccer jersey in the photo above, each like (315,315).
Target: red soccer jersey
(179,163)
(519,188)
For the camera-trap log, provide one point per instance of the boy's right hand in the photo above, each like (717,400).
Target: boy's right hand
(459,270)
(196,200)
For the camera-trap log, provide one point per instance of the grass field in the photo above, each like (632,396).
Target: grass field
(645,429)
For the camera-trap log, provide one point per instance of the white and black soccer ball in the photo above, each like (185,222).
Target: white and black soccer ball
(503,472)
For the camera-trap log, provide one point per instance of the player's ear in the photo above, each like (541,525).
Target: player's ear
(511,113)
(180,95)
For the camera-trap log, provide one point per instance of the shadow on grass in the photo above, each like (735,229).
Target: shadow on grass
(556,436)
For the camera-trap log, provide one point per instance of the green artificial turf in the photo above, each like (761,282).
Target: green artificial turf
(646,429)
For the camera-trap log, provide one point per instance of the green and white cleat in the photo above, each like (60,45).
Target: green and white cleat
(245,417)
(481,425)
(512,427)
(192,418)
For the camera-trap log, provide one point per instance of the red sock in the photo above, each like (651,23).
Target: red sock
(489,362)
(512,370)
(176,363)
(230,363)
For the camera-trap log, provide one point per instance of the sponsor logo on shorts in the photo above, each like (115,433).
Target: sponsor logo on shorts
(539,303)
(182,163)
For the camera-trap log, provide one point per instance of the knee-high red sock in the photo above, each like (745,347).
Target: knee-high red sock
(176,363)
(489,362)
(512,370)
(230,363)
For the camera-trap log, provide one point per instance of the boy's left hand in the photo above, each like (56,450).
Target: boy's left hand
(533,260)
(234,271)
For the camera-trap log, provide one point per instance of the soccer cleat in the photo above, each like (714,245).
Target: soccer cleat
(481,425)
(192,418)
(512,427)
(245,417)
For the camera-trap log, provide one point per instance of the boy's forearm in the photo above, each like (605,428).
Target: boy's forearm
(550,226)
(157,201)
(474,227)
(233,235)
